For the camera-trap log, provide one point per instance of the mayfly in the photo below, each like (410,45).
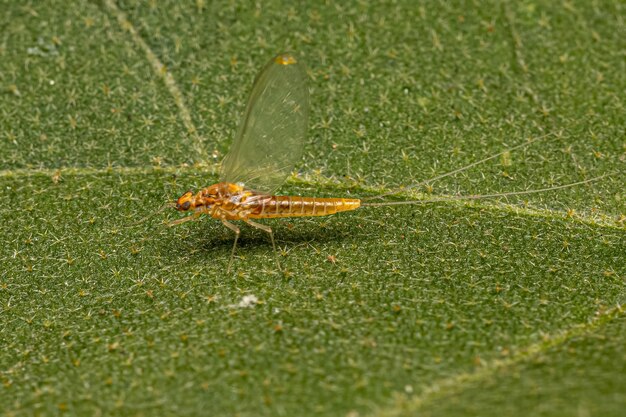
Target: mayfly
(268,144)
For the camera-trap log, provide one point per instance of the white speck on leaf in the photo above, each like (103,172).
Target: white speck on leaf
(247,301)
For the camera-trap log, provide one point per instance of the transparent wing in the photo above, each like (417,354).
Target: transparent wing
(272,132)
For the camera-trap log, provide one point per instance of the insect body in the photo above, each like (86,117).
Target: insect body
(267,146)
(227,201)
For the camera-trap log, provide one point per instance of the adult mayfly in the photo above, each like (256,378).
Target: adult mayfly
(267,146)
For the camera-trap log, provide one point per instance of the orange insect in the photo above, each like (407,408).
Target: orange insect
(268,144)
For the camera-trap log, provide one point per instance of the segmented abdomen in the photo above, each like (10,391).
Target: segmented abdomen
(288,206)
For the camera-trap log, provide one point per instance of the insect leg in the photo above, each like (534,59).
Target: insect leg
(237,231)
(268,230)
(192,217)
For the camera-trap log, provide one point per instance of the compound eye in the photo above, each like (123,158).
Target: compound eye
(185,205)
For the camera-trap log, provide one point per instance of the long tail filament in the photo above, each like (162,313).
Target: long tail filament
(484,196)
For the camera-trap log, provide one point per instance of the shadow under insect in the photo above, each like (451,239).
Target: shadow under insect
(211,238)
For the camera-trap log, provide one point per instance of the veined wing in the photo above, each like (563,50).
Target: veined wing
(272,132)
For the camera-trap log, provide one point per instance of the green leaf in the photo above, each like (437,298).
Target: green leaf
(511,306)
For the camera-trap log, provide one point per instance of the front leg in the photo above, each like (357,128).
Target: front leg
(189,218)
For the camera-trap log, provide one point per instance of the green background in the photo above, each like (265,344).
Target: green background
(505,307)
